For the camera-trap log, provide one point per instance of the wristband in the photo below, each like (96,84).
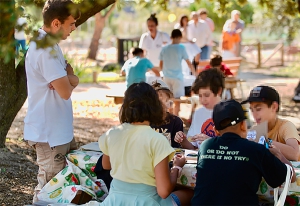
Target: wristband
(179,170)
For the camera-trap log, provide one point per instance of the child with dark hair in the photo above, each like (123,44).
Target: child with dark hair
(139,157)
(171,57)
(135,68)
(264,105)
(217,62)
(171,124)
(209,86)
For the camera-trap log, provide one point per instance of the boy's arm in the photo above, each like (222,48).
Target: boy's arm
(156,71)
(73,79)
(161,64)
(63,85)
(290,150)
(283,159)
(122,73)
(190,66)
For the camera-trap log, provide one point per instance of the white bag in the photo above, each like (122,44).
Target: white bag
(281,200)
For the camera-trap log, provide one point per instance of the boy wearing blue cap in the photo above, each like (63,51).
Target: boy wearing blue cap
(264,105)
(230,167)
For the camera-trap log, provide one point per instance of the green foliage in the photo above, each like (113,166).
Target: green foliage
(290,71)
(278,22)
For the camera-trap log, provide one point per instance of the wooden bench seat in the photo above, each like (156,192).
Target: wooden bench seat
(233,64)
(118,99)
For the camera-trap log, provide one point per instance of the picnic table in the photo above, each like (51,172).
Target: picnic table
(231,83)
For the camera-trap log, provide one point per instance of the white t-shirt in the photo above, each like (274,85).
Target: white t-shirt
(49,117)
(202,123)
(201,32)
(154,46)
(192,50)
(20,34)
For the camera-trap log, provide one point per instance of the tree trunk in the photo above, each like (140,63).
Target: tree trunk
(13,89)
(99,26)
(12,81)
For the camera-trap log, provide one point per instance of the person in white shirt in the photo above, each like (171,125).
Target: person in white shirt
(152,42)
(50,82)
(240,25)
(20,35)
(203,16)
(200,33)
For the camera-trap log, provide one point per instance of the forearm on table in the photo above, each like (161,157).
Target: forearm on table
(173,177)
(288,151)
(187,145)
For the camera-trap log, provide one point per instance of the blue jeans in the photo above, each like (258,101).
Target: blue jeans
(204,53)
(21,43)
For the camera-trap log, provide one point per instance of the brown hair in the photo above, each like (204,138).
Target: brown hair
(141,103)
(153,18)
(59,9)
(216,60)
(212,78)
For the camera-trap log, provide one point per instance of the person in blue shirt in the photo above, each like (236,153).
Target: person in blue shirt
(135,68)
(170,58)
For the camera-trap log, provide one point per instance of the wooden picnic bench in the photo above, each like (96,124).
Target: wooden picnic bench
(233,64)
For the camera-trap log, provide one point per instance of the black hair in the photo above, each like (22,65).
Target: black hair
(181,20)
(212,78)
(176,33)
(137,51)
(59,9)
(153,18)
(141,103)
(216,60)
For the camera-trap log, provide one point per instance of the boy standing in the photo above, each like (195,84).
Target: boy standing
(50,82)
(171,57)
(264,105)
(209,85)
(241,163)
(135,68)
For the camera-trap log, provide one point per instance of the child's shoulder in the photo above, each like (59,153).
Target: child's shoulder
(284,124)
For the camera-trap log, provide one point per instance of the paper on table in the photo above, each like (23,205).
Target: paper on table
(258,131)
(93,146)
(191,156)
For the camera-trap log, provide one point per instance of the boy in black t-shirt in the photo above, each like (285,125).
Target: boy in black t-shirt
(230,168)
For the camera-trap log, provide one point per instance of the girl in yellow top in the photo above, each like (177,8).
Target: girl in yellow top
(139,157)
(230,39)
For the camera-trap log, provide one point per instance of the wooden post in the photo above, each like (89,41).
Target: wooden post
(258,54)
(120,51)
(282,53)
(95,75)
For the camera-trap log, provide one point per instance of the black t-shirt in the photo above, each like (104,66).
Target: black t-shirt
(173,124)
(230,169)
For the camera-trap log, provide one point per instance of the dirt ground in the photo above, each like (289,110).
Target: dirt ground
(94,114)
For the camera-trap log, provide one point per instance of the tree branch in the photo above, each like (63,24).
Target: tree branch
(107,14)
(89,9)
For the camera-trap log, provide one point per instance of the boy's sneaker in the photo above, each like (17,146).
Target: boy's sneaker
(296,98)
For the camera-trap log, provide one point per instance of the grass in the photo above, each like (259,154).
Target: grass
(292,71)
